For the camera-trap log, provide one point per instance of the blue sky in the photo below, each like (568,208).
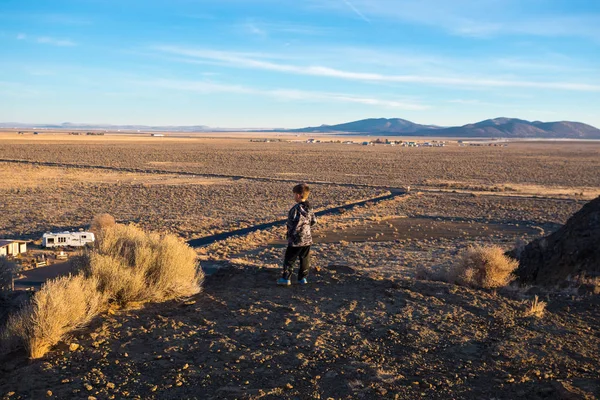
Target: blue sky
(293,63)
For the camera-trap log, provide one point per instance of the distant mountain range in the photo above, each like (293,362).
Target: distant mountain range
(372,125)
(490,128)
(497,127)
(108,127)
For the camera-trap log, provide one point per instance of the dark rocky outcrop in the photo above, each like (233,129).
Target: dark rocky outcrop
(573,250)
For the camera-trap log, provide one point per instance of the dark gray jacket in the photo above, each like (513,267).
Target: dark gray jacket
(300,218)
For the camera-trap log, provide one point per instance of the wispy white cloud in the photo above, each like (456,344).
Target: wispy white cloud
(240,60)
(34,71)
(466,101)
(253,29)
(206,87)
(66,19)
(345,98)
(46,40)
(47,19)
(478,18)
(477,103)
(264,29)
(356,11)
(299,29)
(55,42)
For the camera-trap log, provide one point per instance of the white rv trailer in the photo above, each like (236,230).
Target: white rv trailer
(64,239)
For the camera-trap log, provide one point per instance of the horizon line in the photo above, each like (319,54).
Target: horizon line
(41,125)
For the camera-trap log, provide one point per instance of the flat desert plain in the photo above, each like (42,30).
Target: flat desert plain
(371,324)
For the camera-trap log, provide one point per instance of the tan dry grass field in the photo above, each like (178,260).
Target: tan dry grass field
(569,165)
(16,176)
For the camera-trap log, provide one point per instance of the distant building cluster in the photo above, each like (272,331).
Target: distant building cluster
(385,142)
(388,142)
(463,143)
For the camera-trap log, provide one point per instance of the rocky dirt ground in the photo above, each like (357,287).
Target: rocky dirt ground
(488,209)
(363,328)
(400,234)
(349,334)
(64,198)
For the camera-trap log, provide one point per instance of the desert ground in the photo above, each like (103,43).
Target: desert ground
(568,166)
(371,324)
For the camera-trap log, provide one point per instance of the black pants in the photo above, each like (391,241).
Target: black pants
(291,254)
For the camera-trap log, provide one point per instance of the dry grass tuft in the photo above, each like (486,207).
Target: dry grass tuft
(536,308)
(61,306)
(476,267)
(126,266)
(133,265)
(101,223)
(121,284)
(483,267)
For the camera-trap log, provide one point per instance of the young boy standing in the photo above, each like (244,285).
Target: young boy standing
(300,219)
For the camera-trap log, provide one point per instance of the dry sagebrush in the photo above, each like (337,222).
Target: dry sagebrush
(61,306)
(101,223)
(133,265)
(127,265)
(477,267)
(484,267)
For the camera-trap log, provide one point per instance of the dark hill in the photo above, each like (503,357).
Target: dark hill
(518,128)
(569,129)
(573,250)
(372,125)
(497,127)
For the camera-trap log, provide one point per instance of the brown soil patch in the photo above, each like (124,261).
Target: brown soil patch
(515,189)
(418,229)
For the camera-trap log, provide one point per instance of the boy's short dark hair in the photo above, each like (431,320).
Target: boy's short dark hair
(302,189)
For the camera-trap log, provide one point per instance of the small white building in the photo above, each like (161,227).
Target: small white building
(64,239)
(12,247)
